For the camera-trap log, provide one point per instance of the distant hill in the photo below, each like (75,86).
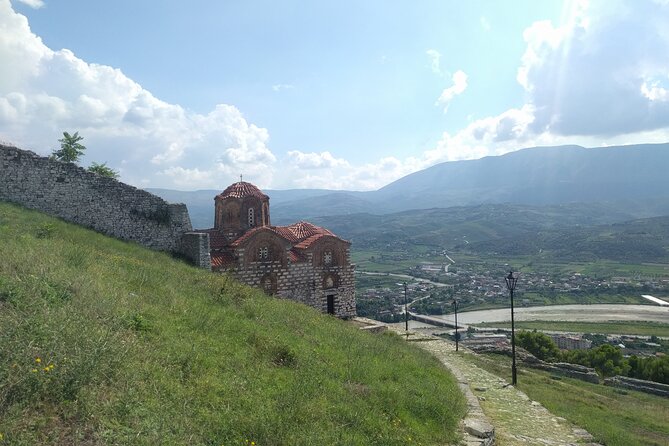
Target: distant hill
(451,227)
(537,176)
(644,240)
(630,178)
(569,232)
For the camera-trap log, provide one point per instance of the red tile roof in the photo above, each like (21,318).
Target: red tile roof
(222,260)
(308,241)
(301,235)
(216,239)
(295,256)
(248,234)
(242,189)
(304,229)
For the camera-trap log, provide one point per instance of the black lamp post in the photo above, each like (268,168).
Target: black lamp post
(457,336)
(406,309)
(511,281)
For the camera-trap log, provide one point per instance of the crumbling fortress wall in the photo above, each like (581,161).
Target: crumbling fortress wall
(103,204)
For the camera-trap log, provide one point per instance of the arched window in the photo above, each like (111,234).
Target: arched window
(252,217)
(268,284)
(263,253)
(330,281)
(327,258)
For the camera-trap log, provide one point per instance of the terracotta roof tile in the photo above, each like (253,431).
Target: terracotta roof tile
(286,233)
(248,234)
(216,239)
(308,241)
(296,257)
(222,260)
(242,189)
(304,229)
(302,234)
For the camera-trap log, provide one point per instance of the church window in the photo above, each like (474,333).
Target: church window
(252,217)
(268,284)
(263,253)
(327,258)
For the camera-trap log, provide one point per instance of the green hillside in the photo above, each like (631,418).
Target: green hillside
(570,232)
(104,342)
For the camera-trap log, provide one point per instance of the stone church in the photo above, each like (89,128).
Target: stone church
(302,261)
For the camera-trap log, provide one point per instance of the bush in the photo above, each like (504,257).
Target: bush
(539,344)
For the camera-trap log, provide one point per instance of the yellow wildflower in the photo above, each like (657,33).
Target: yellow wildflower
(34,370)
(38,360)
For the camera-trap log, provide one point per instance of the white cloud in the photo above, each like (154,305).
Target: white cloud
(355,177)
(597,74)
(435,58)
(653,92)
(35,4)
(45,92)
(279,87)
(597,79)
(459,85)
(323,160)
(485,23)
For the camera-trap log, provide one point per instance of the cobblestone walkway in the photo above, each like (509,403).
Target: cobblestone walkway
(517,420)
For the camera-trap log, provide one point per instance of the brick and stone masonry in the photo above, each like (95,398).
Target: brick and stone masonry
(302,261)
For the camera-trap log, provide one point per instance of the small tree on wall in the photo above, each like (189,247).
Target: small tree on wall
(104,170)
(70,148)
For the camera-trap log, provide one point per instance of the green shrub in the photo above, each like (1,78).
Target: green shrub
(539,344)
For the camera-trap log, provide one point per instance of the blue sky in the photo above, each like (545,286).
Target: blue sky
(344,95)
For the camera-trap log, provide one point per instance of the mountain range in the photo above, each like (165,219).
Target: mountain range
(629,180)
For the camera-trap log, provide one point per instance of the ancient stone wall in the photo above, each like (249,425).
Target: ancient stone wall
(70,192)
(639,385)
(195,247)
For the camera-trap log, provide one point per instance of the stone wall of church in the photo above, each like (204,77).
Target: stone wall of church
(301,282)
(108,206)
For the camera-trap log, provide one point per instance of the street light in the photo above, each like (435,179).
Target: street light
(457,336)
(511,281)
(406,310)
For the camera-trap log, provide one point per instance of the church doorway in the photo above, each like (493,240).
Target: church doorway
(331,303)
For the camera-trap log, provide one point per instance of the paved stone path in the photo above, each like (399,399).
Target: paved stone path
(516,419)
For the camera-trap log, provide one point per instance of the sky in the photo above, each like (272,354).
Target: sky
(337,95)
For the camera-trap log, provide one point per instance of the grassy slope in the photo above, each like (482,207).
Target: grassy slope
(147,350)
(613,416)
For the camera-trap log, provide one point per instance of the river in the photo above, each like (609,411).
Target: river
(574,313)
(403,276)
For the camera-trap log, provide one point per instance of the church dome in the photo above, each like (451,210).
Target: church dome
(242,189)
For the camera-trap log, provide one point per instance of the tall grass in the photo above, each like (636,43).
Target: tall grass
(104,342)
